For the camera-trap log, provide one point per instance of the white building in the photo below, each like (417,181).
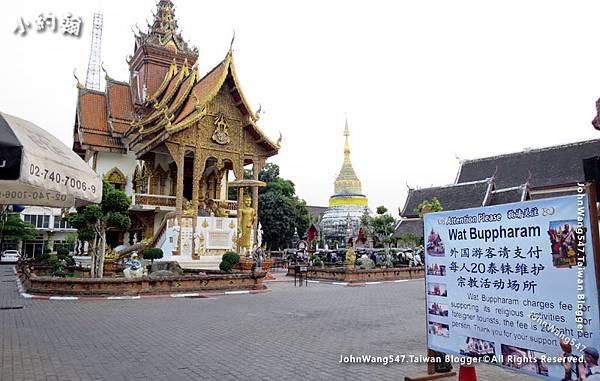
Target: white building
(51,229)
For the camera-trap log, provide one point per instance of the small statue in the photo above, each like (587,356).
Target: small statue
(259,234)
(135,267)
(109,253)
(245,224)
(259,258)
(188,210)
(366,263)
(221,212)
(350,255)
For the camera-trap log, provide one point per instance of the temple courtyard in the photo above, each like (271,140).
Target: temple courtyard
(289,333)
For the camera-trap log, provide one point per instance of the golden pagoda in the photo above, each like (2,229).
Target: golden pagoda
(347,205)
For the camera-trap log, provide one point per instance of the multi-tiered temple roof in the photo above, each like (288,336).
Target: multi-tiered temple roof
(164,95)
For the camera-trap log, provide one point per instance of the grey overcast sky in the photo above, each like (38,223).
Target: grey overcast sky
(421,82)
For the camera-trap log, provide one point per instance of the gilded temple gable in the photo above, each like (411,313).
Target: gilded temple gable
(214,106)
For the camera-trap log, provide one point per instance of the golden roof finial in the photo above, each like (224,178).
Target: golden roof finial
(78,85)
(232,40)
(256,115)
(106,76)
(278,144)
(185,70)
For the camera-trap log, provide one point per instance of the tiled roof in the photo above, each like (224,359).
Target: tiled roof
(505,196)
(100,140)
(556,193)
(316,211)
(172,87)
(120,127)
(183,93)
(410,226)
(202,90)
(94,119)
(452,197)
(549,166)
(92,111)
(119,99)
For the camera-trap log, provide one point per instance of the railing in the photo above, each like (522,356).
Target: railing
(153,200)
(226,204)
(157,238)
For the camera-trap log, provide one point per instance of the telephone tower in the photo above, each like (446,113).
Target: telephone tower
(92,79)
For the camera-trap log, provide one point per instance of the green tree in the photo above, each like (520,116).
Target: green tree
(427,206)
(64,248)
(232,191)
(269,173)
(12,228)
(410,240)
(152,254)
(91,222)
(380,227)
(280,211)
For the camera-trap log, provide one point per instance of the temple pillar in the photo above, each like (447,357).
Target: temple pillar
(199,163)
(177,152)
(257,166)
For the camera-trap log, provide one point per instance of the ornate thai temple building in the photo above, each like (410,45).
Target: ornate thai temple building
(174,140)
(348,204)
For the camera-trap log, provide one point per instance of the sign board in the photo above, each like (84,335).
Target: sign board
(507,283)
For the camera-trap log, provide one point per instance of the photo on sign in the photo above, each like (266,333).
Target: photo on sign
(436,269)
(437,289)
(523,359)
(439,329)
(564,242)
(435,245)
(479,348)
(438,309)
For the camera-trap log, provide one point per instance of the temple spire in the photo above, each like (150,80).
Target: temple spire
(347,182)
(347,144)
(164,30)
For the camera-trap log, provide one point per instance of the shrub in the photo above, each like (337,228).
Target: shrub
(68,259)
(53,260)
(228,261)
(62,250)
(41,258)
(316,260)
(153,253)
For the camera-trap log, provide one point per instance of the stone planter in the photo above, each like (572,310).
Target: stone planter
(188,282)
(355,275)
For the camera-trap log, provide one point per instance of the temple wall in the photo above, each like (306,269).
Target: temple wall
(214,236)
(125,163)
(164,161)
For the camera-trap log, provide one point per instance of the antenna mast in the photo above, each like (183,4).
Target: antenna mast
(92,79)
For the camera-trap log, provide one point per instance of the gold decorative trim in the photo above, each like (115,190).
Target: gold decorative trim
(193,80)
(115,176)
(183,74)
(221,133)
(173,70)
(193,118)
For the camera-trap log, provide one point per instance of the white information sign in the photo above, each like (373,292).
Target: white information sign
(508,283)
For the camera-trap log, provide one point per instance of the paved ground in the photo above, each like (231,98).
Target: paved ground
(287,334)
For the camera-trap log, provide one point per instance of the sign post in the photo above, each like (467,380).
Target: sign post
(507,283)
